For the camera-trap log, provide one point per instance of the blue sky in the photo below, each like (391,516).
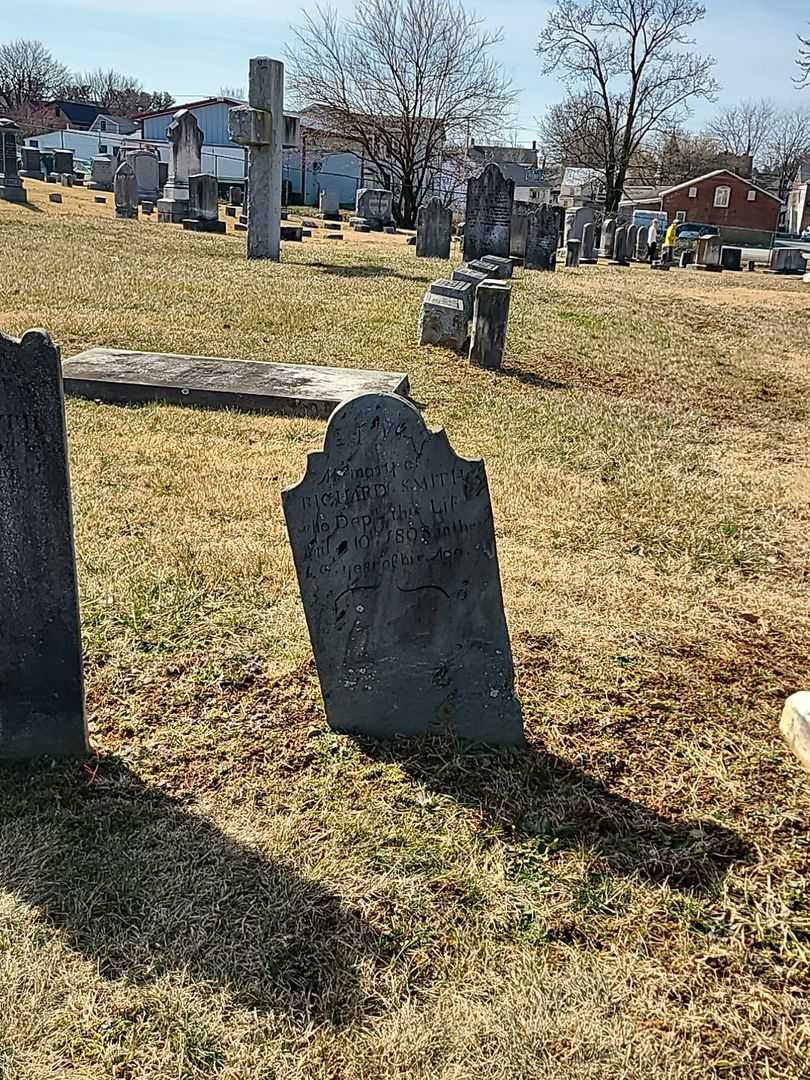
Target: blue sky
(194,47)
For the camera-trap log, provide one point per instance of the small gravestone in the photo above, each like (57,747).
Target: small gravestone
(125,187)
(11,187)
(630,241)
(620,246)
(457,290)
(67,179)
(542,239)
(62,161)
(501,268)
(520,225)
(488,219)
(608,238)
(474,277)
(102,172)
(443,321)
(203,205)
(41,689)
(55,197)
(572,249)
(375,207)
(394,546)
(787,261)
(434,223)
(642,244)
(186,139)
(588,248)
(147,174)
(731,258)
(329,205)
(101,199)
(708,254)
(490,321)
(31,163)
(576,218)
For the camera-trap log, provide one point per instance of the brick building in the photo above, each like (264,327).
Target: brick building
(724,199)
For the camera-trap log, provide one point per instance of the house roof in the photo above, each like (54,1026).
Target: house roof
(720,172)
(127,126)
(507,155)
(77,112)
(188,105)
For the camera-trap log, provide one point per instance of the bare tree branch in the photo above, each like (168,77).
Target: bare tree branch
(401,79)
(29,74)
(629,72)
(743,128)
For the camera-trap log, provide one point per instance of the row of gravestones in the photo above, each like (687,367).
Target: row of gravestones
(394,546)
(470,313)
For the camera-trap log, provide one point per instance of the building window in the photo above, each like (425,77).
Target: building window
(102,125)
(722,196)
(692,192)
(680,215)
(752,196)
(102,149)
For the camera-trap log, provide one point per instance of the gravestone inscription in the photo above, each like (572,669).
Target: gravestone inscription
(394,546)
(41,688)
(488,221)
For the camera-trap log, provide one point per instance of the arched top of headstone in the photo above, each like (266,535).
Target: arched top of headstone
(184,122)
(125,169)
(490,169)
(379,418)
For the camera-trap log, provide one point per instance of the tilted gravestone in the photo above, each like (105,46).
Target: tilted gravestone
(434,223)
(41,688)
(394,546)
(542,239)
(488,221)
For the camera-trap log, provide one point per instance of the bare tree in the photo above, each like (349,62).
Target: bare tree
(628,71)
(399,80)
(803,61)
(787,145)
(29,74)
(742,129)
(118,94)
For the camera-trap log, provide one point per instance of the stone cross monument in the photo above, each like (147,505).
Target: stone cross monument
(263,130)
(186,159)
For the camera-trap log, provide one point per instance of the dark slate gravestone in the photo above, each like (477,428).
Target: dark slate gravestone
(41,690)
(488,223)
(542,239)
(394,545)
(434,224)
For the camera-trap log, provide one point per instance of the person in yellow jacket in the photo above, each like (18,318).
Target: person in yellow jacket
(670,240)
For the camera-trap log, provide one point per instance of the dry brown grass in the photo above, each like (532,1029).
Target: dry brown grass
(233,891)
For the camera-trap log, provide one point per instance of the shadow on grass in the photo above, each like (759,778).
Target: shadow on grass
(534,796)
(31,207)
(530,379)
(144,887)
(363,271)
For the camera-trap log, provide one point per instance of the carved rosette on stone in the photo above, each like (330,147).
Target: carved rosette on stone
(394,546)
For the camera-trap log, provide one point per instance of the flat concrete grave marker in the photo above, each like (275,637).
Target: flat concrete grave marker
(488,220)
(394,546)
(41,687)
(128,378)
(434,223)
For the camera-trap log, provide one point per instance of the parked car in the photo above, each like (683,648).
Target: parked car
(693,230)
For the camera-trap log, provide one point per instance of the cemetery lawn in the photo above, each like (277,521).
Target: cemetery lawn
(231,890)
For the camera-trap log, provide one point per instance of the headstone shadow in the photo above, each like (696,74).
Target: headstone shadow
(143,887)
(529,378)
(531,795)
(360,271)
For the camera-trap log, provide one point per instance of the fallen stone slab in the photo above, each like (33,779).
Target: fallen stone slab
(124,377)
(795,726)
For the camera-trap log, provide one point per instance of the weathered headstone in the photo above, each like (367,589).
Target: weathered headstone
(186,140)
(457,290)
(263,129)
(731,258)
(708,253)
(62,161)
(11,187)
(630,241)
(490,322)
(588,248)
(542,239)
(488,220)
(203,205)
(31,163)
(235,195)
(394,546)
(443,321)
(147,174)
(41,686)
(434,223)
(55,197)
(786,260)
(608,238)
(501,268)
(520,228)
(576,218)
(125,187)
(642,244)
(102,172)
(375,207)
(474,277)
(572,249)
(329,205)
(66,179)
(620,246)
